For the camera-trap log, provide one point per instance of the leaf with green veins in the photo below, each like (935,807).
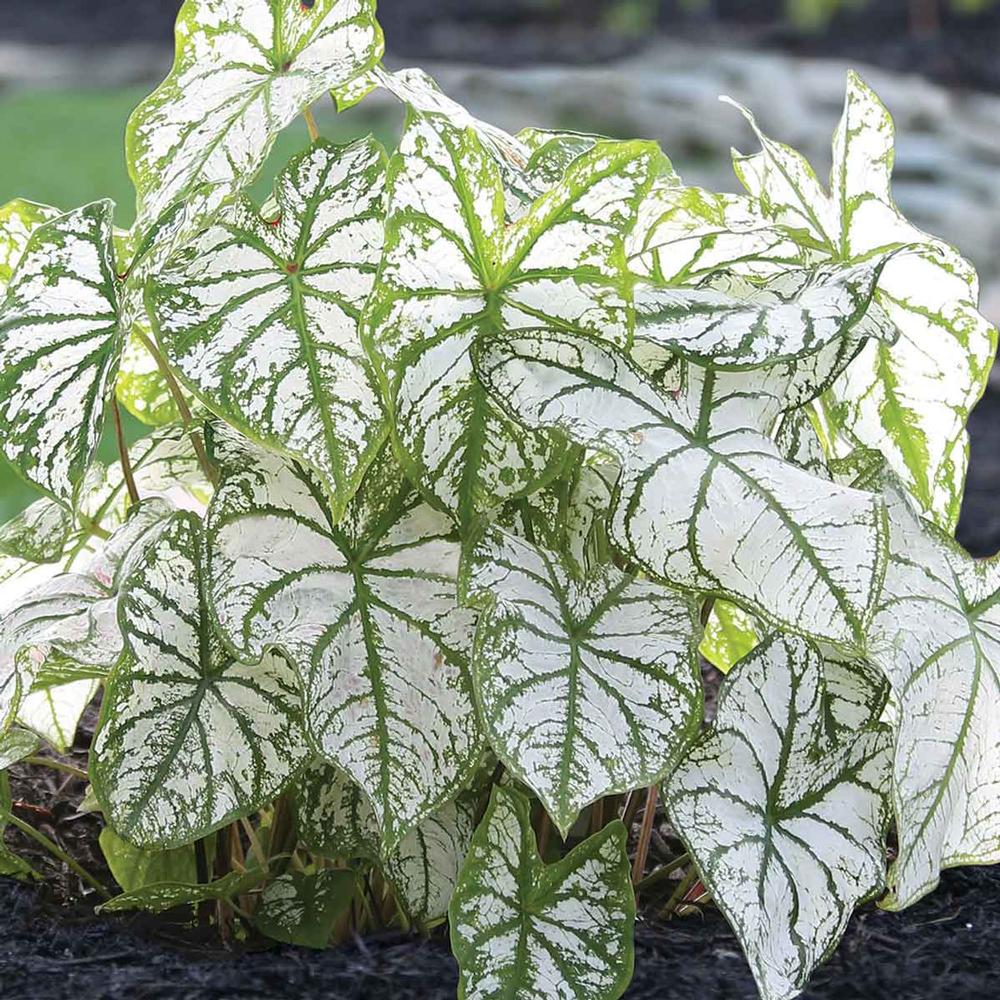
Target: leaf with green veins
(244,69)
(162,896)
(18,220)
(15,745)
(526,929)
(134,868)
(936,637)
(910,400)
(785,822)
(189,739)
(336,820)
(730,634)
(586,687)
(60,339)
(453,271)
(260,315)
(684,234)
(302,908)
(799,442)
(74,613)
(39,533)
(704,499)
(368,611)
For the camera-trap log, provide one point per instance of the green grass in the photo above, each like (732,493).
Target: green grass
(66,148)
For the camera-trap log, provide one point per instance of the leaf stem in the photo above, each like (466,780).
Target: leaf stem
(182,408)
(310,118)
(53,848)
(655,878)
(126,462)
(645,835)
(683,888)
(57,765)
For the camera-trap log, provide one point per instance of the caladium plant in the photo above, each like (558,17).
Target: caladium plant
(461,456)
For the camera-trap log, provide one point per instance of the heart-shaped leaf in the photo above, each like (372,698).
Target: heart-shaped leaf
(453,270)
(587,687)
(60,340)
(244,69)
(704,499)
(267,309)
(936,636)
(522,928)
(784,818)
(366,609)
(189,739)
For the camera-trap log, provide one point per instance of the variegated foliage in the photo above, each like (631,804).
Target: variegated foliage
(454,270)
(505,429)
(260,315)
(783,806)
(909,400)
(367,610)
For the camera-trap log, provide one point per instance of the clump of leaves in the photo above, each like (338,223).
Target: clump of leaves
(459,457)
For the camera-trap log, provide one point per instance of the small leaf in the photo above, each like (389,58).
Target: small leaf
(134,869)
(303,908)
(785,822)
(587,687)
(260,315)
(522,928)
(162,896)
(368,612)
(189,739)
(244,69)
(18,220)
(60,340)
(15,745)
(730,634)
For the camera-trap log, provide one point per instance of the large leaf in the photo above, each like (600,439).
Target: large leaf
(937,638)
(74,613)
(244,69)
(260,315)
(911,400)
(60,339)
(303,908)
(454,270)
(522,928)
(336,819)
(189,739)
(704,499)
(587,687)
(366,609)
(784,815)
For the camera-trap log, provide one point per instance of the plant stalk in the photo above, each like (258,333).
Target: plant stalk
(57,765)
(645,834)
(310,118)
(126,462)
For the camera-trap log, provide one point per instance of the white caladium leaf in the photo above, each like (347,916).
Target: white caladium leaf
(15,745)
(39,533)
(684,234)
(18,220)
(302,908)
(189,739)
(937,639)
(336,819)
(73,614)
(785,822)
(367,610)
(704,499)
(244,69)
(454,270)
(60,339)
(910,400)
(54,710)
(586,687)
(260,315)
(163,896)
(730,322)
(522,928)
